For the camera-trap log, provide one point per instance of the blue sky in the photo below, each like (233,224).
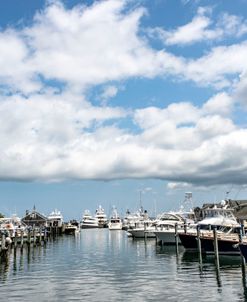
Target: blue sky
(100,100)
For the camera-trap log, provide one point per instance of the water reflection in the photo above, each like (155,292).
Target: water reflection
(107,265)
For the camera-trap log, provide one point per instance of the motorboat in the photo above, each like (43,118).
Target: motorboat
(115,222)
(55,219)
(89,222)
(223,220)
(142,229)
(131,220)
(166,226)
(101,216)
(70,228)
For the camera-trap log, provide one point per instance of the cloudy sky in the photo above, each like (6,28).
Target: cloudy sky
(100,100)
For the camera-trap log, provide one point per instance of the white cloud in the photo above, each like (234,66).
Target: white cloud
(221,104)
(220,67)
(108,92)
(202,28)
(55,134)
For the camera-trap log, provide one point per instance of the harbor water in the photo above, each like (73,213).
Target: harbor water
(103,265)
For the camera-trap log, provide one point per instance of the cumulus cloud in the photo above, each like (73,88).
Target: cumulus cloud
(50,131)
(202,28)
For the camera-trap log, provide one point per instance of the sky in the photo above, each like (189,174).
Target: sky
(121,103)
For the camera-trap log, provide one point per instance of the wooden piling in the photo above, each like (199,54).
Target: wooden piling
(216,251)
(22,239)
(3,243)
(29,237)
(176,237)
(15,240)
(145,231)
(199,244)
(34,237)
(185,228)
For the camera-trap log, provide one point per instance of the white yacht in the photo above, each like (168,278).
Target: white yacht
(101,216)
(89,222)
(143,229)
(115,222)
(132,219)
(219,217)
(55,219)
(165,226)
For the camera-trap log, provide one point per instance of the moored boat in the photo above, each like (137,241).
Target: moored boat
(101,216)
(115,222)
(89,222)
(221,219)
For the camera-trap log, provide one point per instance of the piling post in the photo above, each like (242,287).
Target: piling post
(3,243)
(176,237)
(45,235)
(145,231)
(22,239)
(34,237)
(15,240)
(216,251)
(40,236)
(199,244)
(185,228)
(29,237)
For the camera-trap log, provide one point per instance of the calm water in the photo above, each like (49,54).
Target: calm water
(103,265)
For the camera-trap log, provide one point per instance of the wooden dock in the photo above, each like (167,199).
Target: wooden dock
(25,238)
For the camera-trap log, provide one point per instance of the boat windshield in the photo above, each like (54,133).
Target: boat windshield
(168,216)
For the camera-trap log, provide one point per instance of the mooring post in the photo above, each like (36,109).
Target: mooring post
(185,228)
(40,235)
(3,242)
(145,231)
(216,251)
(28,237)
(34,236)
(199,244)
(15,240)
(22,239)
(176,237)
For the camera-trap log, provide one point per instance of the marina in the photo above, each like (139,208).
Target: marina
(105,265)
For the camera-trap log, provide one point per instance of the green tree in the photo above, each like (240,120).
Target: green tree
(1,215)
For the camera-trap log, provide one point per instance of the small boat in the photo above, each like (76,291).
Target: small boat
(101,216)
(89,222)
(70,229)
(115,222)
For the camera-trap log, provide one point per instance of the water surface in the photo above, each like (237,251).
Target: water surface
(103,265)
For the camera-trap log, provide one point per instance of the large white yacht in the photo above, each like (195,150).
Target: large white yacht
(131,220)
(89,222)
(55,219)
(101,216)
(115,222)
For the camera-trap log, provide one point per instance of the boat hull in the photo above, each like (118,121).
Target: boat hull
(189,241)
(89,226)
(243,250)
(166,237)
(141,233)
(115,226)
(225,247)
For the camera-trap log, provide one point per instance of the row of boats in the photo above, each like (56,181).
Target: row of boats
(183,228)
(168,228)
